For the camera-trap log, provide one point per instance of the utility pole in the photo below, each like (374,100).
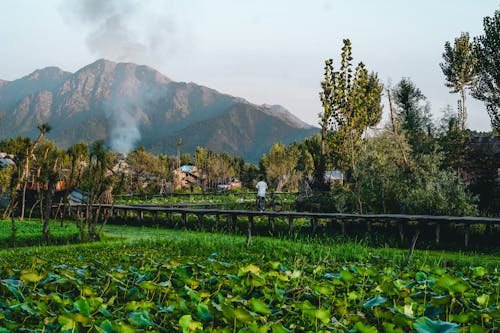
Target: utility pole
(179,144)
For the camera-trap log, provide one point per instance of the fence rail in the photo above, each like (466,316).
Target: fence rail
(342,220)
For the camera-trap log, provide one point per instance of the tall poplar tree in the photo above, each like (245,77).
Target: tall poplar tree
(487,51)
(459,69)
(351,103)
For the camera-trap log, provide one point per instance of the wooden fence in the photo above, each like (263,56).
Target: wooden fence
(342,221)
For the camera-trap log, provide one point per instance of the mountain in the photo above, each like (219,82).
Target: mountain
(129,105)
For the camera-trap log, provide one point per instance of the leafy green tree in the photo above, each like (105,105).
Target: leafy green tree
(185,158)
(383,173)
(436,191)
(280,165)
(459,69)
(487,88)
(78,154)
(146,169)
(413,115)
(351,104)
(450,139)
(95,183)
(49,162)
(480,165)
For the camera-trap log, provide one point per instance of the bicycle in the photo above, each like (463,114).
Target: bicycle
(274,202)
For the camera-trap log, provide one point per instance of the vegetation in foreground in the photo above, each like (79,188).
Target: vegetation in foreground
(162,281)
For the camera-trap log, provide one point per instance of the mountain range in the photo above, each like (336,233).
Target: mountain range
(129,105)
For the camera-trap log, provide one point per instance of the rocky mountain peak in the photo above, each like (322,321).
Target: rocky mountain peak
(130,105)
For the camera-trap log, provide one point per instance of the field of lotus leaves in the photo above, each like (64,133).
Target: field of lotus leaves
(188,282)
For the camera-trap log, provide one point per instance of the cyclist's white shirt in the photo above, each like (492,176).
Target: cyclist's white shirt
(261,188)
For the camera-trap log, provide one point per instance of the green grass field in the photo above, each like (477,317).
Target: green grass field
(161,280)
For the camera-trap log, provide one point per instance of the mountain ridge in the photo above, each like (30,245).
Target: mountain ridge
(129,105)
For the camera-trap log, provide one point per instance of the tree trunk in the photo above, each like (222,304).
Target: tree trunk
(395,129)
(463,111)
(48,207)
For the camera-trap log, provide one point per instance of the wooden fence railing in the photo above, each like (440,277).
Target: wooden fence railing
(328,219)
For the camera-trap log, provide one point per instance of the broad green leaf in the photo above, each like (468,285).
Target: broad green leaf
(362,328)
(140,319)
(479,271)
(483,299)
(203,312)
(278,328)
(67,323)
(375,301)
(425,325)
(124,328)
(12,286)
(420,277)
(477,329)
(451,284)
(187,324)
(323,315)
(227,311)
(391,328)
(31,276)
(243,315)
(259,306)
(82,306)
(249,269)
(346,275)
(106,326)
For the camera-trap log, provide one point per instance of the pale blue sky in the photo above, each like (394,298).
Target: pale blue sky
(264,51)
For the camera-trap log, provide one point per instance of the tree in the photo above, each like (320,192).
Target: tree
(44,129)
(96,183)
(49,163)
(412,115)
(459,69)
(451,140)
(486,49)
(351,104)
(280,165)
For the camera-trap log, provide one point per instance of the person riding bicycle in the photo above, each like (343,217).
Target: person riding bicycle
(261,193)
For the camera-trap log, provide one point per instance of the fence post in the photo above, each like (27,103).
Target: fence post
(250,226)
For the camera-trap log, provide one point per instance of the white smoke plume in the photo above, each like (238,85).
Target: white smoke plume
(125,31)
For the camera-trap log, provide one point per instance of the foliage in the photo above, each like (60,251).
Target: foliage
(281,166)
(413,116)
(351,102)
(481,167)
(438,192)
(388,185)
(29,234)
(450,139)
(187,283)
(385,177)
(459,69)
(488,70)
(338,200)
(146,171)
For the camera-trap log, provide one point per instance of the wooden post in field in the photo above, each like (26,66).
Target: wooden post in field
(250,226)
(438,232)
(200,220)
(466,232)
(290,223)
(271,223)
(401,232)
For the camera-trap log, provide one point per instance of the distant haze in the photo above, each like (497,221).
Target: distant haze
(269,52)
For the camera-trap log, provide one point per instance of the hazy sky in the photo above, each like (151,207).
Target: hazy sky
(264,51)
